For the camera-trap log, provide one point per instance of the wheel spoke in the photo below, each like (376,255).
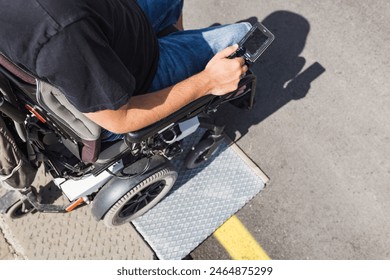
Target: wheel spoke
(128,209)
(156,187)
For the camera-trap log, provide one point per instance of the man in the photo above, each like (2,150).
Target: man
(105,57)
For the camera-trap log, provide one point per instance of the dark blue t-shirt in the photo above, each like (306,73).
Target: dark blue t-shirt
(97,52)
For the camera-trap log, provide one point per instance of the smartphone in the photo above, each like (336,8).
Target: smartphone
(254,43)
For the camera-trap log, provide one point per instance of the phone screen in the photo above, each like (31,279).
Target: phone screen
(255,41)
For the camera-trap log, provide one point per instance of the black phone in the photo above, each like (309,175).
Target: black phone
(254,43)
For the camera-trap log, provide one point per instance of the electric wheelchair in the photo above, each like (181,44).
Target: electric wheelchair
(122,179)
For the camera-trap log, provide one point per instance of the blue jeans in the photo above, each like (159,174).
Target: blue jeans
(183,53)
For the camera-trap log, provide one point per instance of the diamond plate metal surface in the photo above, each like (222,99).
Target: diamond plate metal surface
(201,200)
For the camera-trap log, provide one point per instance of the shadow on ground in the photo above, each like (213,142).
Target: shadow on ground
(280,78)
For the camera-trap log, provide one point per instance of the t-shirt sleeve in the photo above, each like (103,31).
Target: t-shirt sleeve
(82,64)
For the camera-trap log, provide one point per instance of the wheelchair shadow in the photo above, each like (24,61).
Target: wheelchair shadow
(50,193)
(280,78)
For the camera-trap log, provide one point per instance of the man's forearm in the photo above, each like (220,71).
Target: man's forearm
(144,110)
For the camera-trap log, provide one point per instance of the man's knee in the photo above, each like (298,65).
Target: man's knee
(224,36)
(240,29)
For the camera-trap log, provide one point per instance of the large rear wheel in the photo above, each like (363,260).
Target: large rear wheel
(141,198)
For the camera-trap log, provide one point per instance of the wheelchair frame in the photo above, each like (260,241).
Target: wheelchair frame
(134,168)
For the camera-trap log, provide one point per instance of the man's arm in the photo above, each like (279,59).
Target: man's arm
(220,76)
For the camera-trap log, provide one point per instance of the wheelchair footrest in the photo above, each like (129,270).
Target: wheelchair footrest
(46,208)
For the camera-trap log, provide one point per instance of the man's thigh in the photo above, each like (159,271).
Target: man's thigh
(161,13)
(185,53)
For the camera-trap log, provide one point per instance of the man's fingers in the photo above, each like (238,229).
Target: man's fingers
(226,52)
(244,69)
(240,91)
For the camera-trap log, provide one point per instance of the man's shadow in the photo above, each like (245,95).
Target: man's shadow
(280,78)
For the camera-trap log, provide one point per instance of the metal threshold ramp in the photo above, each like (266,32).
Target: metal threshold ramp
(201,200)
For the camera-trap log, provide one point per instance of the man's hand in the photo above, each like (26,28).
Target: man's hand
(225,73)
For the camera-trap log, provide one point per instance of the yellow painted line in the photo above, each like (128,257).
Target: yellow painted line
(238,242)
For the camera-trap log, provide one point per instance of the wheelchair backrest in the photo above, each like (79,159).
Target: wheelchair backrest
(57,107)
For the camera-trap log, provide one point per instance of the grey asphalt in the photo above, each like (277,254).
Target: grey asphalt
(319,129)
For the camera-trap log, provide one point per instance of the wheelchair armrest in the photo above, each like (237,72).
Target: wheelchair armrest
(248,80)
(186,112)
(191,110)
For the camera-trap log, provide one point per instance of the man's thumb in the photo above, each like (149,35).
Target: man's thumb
(226,52)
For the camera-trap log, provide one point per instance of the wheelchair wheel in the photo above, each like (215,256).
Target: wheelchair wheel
(200,153)
(19,209)
(141,198)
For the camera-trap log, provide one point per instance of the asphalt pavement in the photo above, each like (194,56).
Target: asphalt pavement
(319,130)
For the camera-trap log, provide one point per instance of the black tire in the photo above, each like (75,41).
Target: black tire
(135,203)
(19,210)
(200,153)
